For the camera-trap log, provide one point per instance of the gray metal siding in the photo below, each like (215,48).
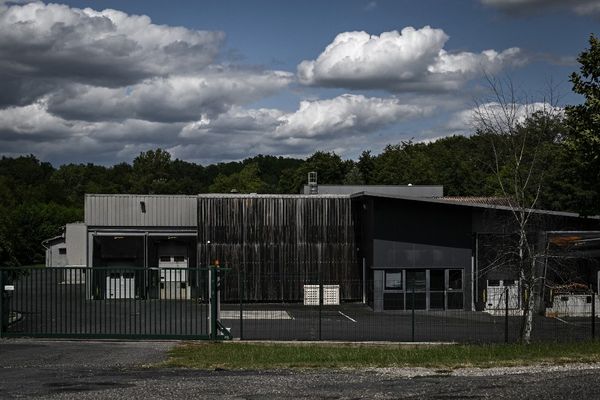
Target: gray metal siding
(394,190)
(391,254)
(125,210)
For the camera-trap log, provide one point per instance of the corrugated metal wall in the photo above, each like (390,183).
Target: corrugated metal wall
(280,243)
(126,210)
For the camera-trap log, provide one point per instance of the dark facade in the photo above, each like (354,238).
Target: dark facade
(394,252)
(429,252)
(279,243)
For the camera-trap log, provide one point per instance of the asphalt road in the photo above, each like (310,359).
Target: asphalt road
(115,370)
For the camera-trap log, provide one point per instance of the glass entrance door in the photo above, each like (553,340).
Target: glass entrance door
(437,289)
(416,280)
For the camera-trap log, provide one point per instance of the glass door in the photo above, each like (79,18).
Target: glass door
(455,291)
(416,279)
(437,289)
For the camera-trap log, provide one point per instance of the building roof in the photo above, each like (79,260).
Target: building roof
(498,201)
(277,196)
(473,205)
(400,190)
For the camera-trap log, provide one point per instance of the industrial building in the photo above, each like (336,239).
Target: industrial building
(392,247)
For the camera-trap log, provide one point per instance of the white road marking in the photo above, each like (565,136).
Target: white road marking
(351,319)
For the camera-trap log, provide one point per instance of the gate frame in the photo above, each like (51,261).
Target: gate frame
(217,331)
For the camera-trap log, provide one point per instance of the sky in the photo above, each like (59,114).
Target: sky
(212,81)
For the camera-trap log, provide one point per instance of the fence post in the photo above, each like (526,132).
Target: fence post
(213,301)
(2,303)
(506,315)
(413,315)
(593,315)
(320,301)
(241,294)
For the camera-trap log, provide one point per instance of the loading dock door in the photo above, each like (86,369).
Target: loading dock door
(496,294)
(174,277)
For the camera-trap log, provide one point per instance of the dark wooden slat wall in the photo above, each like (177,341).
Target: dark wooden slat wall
(279,244)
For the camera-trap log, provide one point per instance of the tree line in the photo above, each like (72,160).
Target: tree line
(37,198)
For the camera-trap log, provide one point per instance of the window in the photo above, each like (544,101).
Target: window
(509,282)
(437,280)
(416,280)
(165,258)
(393,280)
(493,282)
(179,258)
(62,250)
(455,279)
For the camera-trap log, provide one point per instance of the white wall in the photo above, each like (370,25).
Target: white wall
(53,256)
(75,237)
(74,241)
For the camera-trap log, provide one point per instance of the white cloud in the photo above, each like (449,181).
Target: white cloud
(45,46)
(324,124)
(108,38)
(170,99)
(410,60)
(371,5)
(32,122)
(31,129)
(236,121)
(500,115)
(346,114)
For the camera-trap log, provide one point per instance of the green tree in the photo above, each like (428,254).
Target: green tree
(366,166)
(584,126)
(7,253)
(354,177)
(31,223)
(246,181)
(402,164)
(151,172)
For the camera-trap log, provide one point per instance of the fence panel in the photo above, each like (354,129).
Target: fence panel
(174,303)
(115,302)
(351,319)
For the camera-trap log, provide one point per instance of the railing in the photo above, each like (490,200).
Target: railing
(105,302)
(353,320)
(126,302)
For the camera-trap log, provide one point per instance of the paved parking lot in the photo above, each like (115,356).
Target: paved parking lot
(46,307)
(350,322)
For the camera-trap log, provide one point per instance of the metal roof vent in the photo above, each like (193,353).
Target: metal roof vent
(312,183)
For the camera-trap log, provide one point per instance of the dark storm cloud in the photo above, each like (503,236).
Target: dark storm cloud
(44,47)
(517,7)
(171,99)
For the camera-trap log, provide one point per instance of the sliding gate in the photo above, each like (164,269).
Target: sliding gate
(80,302)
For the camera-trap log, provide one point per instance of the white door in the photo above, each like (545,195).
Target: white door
(173,277)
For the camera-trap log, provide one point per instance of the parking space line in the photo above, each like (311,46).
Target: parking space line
(351,319)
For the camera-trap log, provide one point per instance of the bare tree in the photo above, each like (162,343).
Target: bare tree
(516,127)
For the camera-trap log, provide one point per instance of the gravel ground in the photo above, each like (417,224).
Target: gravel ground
(115,370)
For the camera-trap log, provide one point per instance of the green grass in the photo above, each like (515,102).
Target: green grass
(235,355)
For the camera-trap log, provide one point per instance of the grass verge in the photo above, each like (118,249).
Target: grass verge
(232,355)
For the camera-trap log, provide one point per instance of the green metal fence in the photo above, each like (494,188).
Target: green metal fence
(182,303)
(109,302)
